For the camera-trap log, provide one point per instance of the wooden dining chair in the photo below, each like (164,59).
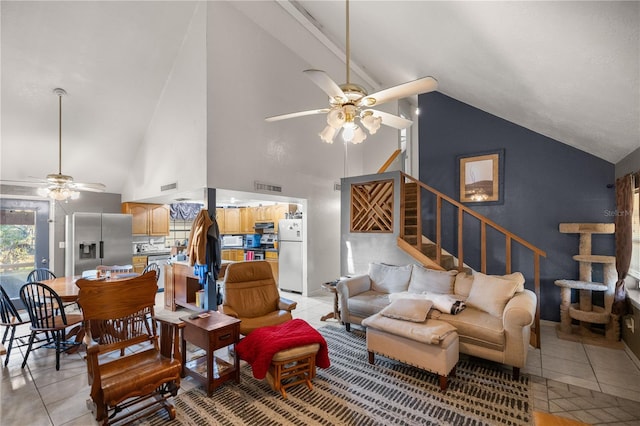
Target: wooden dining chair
(11,320)
(43,305)
(132,369)
(40,274)
(152,267)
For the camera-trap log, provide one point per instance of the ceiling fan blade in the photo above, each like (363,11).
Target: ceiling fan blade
(391,120)
(297,114)
(328,86)
(415,87)
(90,187)
(34,183)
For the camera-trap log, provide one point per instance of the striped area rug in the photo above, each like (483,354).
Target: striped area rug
(353,392)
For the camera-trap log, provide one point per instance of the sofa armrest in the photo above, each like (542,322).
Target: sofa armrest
(287,304)
(349,287)
(520,310)
(516,320)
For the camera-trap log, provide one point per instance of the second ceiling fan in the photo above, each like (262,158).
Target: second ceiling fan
(350,103)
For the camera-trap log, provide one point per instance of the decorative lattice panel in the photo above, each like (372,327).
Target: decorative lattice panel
(372,206)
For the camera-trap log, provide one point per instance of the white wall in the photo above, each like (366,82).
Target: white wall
(251,76)
(175,144)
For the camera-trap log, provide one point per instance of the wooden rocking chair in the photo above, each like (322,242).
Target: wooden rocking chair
(132,370)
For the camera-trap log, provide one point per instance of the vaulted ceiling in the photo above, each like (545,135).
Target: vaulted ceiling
(567,70)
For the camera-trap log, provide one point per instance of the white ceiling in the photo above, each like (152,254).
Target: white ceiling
(567,70)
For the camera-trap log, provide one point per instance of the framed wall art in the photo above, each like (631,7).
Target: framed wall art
(481,177)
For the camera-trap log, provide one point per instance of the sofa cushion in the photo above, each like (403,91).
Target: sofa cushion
(388,278)
(432,332)
(367,303)
(490,293)
(477,327)
(414,310)
(431,280)
(462,284)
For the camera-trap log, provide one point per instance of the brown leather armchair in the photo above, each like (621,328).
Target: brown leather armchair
(252,296)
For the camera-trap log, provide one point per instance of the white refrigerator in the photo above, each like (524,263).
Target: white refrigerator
(290,239)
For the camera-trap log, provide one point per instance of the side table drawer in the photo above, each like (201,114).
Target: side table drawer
(225,337)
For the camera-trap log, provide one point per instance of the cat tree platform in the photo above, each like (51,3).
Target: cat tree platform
(585,311)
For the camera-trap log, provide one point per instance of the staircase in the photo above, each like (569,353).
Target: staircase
(431,253)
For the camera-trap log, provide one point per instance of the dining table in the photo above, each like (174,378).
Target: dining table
(68,291)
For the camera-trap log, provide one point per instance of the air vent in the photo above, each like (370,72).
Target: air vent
(169,186)
(260,186)
(337,187)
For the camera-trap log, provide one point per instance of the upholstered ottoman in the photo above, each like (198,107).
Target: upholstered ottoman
(431,345)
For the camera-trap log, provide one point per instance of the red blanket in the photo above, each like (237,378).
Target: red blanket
(261,344)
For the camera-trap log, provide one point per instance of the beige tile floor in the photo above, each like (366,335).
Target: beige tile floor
(593,384)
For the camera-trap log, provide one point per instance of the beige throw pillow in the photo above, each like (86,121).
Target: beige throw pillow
(490,293)
(431,280)
(414,310)
(389,279)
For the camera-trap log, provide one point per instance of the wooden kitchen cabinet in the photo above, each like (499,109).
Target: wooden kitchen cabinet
(279,211)
(220,220)
(139,263)
(148,219)
(247,220)
(232,222)
(159,220)
(262,214)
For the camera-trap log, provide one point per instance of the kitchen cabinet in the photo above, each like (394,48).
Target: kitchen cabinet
(139,263)
(148,219)
(220,219)
(234,255)
(279,211)
(247,220)
(262,214)
(232,221)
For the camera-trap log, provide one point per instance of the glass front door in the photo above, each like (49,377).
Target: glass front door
(24,241)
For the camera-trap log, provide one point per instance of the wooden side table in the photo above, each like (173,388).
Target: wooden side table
(331,287)
(217,334)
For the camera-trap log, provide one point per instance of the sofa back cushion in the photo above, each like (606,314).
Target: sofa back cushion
(431,280)
(388,278)
(490,293)
(463,282)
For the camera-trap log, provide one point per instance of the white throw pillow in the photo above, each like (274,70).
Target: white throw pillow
(414,310)
(431,280)
(388,278)
(490,293)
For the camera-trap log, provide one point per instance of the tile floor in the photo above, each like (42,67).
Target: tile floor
(589,383)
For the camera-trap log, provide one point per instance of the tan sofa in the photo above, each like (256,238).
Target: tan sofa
(495,324)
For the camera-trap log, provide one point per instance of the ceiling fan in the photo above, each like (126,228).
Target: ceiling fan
(56,185)
(350,103)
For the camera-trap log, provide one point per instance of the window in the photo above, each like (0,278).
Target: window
(634,268)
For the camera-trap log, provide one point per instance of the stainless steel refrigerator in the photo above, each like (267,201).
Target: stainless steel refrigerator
(94,239)
(290,240)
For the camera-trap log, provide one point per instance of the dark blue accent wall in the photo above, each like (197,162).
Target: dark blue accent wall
(545,183)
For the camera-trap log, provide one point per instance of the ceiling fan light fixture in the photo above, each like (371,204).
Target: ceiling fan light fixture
(336,118)
(59,193)
(328,134)
(371,122)
(359,135)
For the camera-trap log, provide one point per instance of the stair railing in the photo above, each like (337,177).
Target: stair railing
(510,239)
